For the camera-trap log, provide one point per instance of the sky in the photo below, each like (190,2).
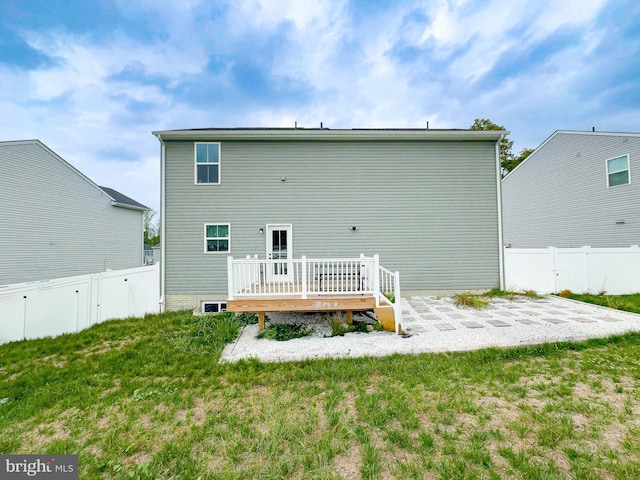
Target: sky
(93,79)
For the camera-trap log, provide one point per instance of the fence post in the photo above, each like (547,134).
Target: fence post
(554,263)
(304,276)
(587,260)
(230,277)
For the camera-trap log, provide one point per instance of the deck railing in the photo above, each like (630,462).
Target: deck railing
(301,277)
(251,277)
(389,293)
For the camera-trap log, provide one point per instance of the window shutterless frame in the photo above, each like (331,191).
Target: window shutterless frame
(618,171)
(217,238)
(213,307)
(207,163)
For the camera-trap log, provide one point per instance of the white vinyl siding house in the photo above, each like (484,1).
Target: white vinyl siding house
(55,222)
(576,189)
(426,201)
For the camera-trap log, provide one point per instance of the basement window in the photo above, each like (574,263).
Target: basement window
(618,171)
(214,307)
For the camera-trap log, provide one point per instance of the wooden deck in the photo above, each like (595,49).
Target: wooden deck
(313,285)
(314,303)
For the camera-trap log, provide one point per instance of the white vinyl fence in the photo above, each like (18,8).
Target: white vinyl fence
(615,271)
(71,304)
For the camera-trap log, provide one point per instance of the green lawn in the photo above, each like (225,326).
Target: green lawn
(630,303)
(146,398)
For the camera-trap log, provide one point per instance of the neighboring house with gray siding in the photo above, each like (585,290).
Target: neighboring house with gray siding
(576,189)
(426,201)
(55,222)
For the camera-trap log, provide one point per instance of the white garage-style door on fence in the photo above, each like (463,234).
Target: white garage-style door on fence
(615,271)
(67,305)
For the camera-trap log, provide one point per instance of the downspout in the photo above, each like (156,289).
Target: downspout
(499,197)
(163,240)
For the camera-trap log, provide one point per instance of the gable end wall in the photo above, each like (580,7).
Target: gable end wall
(55,223)
(429,209)
(559,197)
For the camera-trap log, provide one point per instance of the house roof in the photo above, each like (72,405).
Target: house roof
(120,200)
(323,134)
(571,132)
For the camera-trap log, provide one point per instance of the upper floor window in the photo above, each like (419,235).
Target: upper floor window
(207,163)
(618,171)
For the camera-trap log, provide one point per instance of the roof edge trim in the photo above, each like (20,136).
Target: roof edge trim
(330,135)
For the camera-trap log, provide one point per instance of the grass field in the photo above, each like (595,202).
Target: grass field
(146,398)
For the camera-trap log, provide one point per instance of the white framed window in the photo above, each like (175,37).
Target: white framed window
(214,307)
(207,163)
(618,172)
(217,238)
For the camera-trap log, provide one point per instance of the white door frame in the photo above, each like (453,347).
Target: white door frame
(279,272)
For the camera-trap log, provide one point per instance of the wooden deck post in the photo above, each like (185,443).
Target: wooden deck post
(260,320)
(349,317)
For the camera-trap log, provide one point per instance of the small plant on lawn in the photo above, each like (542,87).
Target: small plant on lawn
(466,300)
(565,293)
(531,293)
(339,327)
(613,302)
(247,318)
(284,331)
(207,334)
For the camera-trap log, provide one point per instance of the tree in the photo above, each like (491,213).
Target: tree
(524,153)
(151,228)
(506,155)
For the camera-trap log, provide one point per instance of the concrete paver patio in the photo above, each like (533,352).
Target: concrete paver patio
(436,324)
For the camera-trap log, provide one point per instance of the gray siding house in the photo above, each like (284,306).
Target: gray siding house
(576,189)
(55,222)
(426,201)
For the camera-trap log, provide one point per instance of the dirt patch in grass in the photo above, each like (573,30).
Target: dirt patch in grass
(45,433)
(197,415)
(106,347)
(116,387)
(348,465)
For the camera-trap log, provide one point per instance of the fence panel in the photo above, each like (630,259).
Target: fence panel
(572,267)
(12,311)
(65,305)
(582,270)
(54,310)
(529,269)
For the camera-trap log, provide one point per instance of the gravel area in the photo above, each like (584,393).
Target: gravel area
(436,324)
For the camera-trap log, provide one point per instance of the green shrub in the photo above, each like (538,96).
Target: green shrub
(284,331)
(470,300)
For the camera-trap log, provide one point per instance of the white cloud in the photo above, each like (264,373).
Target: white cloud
(269,14)
(347,66)
(486,30)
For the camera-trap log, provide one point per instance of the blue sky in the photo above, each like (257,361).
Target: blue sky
(93,79)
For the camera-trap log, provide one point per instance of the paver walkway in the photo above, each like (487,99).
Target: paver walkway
(436,324)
